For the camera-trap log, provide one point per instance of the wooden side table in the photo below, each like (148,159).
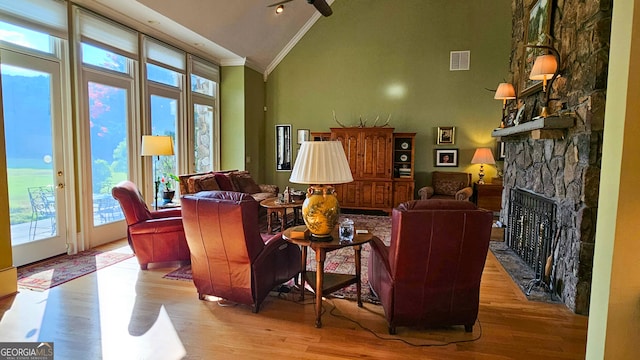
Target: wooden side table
(280,210)
(329,282)
(488,196)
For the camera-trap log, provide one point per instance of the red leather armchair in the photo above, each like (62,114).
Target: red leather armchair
(229,257)
(430,274)
(154,236)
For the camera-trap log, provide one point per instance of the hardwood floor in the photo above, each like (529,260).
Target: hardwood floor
(121,312)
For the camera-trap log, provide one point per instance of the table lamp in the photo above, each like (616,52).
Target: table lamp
(156,145)
(482,156)
(546,68)
(504,92)
(321,164)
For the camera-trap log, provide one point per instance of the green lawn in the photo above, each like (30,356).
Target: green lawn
(20,179)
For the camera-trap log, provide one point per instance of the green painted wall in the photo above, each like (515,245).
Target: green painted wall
(254,121)
(614,313)
(242,94)
(232,113)
(8,275)
(386,57)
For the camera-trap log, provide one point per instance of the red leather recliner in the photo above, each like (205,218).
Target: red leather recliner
(154,236)
(229,257)
(430,274)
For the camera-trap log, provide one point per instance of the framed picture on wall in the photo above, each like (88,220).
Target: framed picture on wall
(446,157)
(538,32)
(283,148)
(500,150)
(446,135)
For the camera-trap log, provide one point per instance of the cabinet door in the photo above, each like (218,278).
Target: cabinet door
(376,150)
(402,192)
(349,139)
(347,194)
(375,194)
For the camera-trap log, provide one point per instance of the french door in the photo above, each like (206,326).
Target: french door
(106,153)
(32,104)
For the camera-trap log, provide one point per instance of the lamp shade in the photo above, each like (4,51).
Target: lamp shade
(483,156)
(155,145)
(505,91)
(321,162)
(544,67)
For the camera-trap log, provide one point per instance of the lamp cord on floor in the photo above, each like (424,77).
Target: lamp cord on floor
(403,340)
(284,296)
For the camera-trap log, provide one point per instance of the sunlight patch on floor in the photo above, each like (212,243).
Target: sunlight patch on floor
(27,316)
(133,332)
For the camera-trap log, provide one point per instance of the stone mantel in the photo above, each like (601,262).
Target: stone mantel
(551,127)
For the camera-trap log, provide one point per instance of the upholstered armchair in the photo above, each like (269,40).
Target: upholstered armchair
(430,274)
(448,185)
(230,259)
(154,236)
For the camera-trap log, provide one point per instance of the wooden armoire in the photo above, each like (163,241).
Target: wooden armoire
(381,163)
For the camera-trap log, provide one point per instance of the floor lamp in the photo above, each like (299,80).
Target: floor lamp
(155,145)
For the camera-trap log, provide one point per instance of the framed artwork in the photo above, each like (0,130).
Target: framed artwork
(519,116)
(446,157)
(500,149)
(446,135)
(537,32)
(510,118)
(304,135)
(283,148)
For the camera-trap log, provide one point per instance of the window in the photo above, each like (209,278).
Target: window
(27,38)
(108,120)
(165,67)
(204,95)
(105,59)
(174,93)
(163,76)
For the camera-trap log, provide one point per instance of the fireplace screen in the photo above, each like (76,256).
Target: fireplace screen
(531,223)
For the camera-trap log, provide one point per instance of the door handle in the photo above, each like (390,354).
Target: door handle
(60,185)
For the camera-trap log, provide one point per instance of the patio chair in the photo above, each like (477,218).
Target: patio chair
(43,207)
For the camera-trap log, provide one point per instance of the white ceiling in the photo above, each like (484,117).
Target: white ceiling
(233,32)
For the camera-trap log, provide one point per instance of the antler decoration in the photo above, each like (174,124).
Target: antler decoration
(362,123)
(383,125)
(336,119)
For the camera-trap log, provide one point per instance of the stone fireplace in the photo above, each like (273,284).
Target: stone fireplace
(559,158)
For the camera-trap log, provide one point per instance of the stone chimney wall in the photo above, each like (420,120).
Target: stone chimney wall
(566,168)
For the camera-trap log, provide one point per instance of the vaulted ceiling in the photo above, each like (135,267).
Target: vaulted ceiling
(232,32)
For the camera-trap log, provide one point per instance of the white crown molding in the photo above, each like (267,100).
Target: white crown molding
(233,61)
(316,15)
(243,62)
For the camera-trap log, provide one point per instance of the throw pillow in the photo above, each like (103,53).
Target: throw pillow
(244,182)
(224,182)
(206,183)
(447,187)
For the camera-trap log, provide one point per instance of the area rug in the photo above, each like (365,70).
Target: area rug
(46,274)
(338,261)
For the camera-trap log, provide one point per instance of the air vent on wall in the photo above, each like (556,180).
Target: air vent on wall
(459,60)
